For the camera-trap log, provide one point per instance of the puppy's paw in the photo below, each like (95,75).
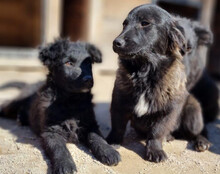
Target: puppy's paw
(155,155)
(202,144)
(104,152)
(65,167)
(108,155)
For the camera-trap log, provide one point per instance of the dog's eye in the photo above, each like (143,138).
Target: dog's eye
(145,23)
(189,47)
(69,63)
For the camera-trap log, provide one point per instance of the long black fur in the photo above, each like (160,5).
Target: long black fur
(159,64)
(61,110)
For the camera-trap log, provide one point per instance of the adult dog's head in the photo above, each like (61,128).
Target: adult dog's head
(70,64)
(148,29)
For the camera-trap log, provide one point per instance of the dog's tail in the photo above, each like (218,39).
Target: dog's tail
(14,84)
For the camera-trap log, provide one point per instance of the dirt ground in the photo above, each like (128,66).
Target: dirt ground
(21,153)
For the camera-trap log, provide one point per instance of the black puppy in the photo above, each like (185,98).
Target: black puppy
(62,109)
(199,83)
(151,82)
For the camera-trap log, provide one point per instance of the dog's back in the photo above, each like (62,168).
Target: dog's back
(19,107)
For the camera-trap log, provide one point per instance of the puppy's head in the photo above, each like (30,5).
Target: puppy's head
(149,29)
(70,64)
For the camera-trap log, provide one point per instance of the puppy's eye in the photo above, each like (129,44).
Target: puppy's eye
(69,63)
(145,23)
(189,47)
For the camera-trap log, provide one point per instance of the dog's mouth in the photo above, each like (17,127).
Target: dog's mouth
(80,90)
(126,54)
(85,90)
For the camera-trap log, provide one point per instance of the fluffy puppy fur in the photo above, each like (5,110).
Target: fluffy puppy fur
(61,110)
(199,83)
(153,80)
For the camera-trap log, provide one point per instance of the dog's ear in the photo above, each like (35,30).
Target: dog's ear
(95,53)
(44,55)
(205,36)
(50,53)
(177,41)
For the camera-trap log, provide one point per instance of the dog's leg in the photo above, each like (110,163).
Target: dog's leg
(154,151)
(192,126)
(102,150)
(119,116)
(54,144)
(159,130)
(119,120)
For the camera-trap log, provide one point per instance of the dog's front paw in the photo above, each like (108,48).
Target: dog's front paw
(65,167)
(155,155)
(104,152)
(108,155)
(202,144)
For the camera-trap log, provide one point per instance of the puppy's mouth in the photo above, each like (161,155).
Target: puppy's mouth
(85,90)
(127,54)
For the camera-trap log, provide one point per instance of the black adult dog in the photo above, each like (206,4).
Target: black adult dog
(158,66)
(62,111)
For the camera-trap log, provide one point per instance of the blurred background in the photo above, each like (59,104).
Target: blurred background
(25,24)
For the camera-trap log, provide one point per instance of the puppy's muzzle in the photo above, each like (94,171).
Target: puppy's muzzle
(88,81)
(119,43)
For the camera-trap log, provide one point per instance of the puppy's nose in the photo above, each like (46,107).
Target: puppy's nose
(88,80)
(118,42)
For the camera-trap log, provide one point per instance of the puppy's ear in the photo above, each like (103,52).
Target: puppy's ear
(205,36)
(95,53)
(53,51)
(44,55)
(177,41)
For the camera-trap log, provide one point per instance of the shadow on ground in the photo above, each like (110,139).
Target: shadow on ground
(24,135)
(132,141)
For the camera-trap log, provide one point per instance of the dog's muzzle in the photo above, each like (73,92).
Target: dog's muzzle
(119,43)
(88,81)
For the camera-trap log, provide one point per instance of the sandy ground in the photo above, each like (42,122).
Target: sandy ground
(21,153)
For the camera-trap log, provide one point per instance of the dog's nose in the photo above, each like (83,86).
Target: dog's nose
(118,42)
(88,80)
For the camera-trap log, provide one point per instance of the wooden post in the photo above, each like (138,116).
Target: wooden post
(51,20)
(95,17)
(206,20)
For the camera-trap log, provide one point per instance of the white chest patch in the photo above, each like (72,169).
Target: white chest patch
(142,106)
